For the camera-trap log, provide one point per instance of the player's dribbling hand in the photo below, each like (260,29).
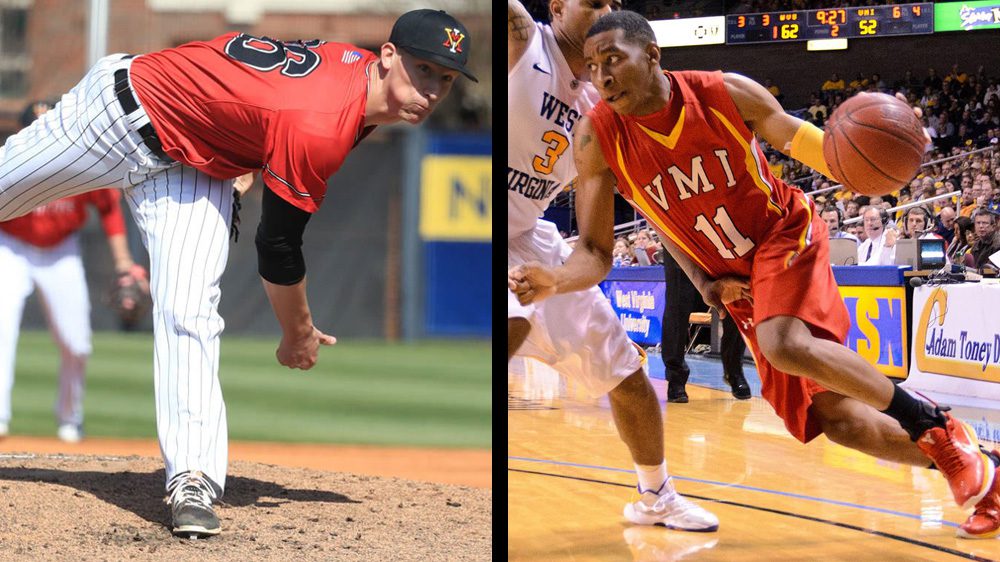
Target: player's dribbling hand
(302,352)
(531,282)
(726,290)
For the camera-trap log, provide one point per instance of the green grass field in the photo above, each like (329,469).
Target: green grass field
(430,393)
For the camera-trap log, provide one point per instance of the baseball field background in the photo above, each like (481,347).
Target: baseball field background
(429,393)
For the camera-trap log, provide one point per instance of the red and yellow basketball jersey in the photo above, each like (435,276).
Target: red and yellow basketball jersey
(697,173)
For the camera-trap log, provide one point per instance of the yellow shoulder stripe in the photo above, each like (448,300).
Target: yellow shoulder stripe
(750,160)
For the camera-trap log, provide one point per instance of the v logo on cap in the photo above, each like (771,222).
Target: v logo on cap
(454,40)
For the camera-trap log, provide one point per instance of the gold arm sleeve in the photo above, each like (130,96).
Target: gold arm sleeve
(807,147)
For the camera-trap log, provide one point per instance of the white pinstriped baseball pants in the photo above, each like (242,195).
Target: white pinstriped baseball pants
(57,274)
(87,142)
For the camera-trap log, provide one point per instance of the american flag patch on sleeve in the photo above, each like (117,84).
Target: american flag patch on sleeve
(350,57)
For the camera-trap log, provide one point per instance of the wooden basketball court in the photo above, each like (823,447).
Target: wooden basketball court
(569,477)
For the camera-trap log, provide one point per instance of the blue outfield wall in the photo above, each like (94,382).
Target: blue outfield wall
(456,235)
(458,288)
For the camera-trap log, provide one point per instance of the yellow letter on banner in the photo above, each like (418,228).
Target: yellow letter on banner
(456,198)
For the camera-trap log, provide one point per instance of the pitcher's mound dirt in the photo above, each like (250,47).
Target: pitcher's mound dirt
(60,507)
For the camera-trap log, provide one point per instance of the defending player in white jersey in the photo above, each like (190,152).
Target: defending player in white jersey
(577,334)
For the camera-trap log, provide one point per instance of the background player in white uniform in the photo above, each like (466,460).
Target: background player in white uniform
(577,334)
(211,111)
(41,250)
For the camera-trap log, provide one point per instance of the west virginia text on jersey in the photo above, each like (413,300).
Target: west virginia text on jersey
(546,102)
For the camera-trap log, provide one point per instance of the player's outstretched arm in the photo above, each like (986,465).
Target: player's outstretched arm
(590,260)
(300,340)
(283,271)
(520,28)
(799,139)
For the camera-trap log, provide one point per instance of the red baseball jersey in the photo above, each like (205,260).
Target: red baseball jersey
(696,172)
(50,224)
(239,103)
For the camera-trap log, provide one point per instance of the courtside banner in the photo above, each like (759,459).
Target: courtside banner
(878,326)
(639,307)
(967,16)
(957,334)
(455,198)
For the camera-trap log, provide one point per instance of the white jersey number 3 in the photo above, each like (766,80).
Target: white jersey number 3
(740,244)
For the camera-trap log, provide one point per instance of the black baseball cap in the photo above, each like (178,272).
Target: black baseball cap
(435,36)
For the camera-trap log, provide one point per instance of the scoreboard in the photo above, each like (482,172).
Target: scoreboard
(832,23)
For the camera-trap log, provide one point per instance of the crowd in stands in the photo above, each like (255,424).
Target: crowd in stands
(967,222)
(960,111)
(961,114)
(641,247)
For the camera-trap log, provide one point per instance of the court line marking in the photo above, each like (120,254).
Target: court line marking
(946,550)
(742,487)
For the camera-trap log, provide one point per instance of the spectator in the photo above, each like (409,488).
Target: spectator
(933,82)
(777,166)
(851,209)
(946,131)
(658,251)
(908,84)
(926,185)
(817,109)
(859,82)
(946,224)
(834,219)
(916,224)
(965,237)
(775,91)
(835,83)
(987,240)
(879,248)
(967,204)
(956,76)
(983,188)
(857,230)
(644,243)
(621,256)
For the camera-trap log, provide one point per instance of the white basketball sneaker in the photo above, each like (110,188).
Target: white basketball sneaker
(670,510)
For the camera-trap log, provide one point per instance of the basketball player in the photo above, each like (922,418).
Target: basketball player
(175,127)
(41,251)
(578,334)
(682,150)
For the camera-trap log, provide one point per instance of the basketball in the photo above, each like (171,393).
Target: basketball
(874,144)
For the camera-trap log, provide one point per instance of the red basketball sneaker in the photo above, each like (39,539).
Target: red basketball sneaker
(955,451)
(984,523)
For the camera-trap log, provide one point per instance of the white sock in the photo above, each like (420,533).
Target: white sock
(653,478)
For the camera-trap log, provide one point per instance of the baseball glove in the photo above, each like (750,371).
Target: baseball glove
(129,296)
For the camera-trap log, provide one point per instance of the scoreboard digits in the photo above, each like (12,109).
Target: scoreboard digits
(856,22)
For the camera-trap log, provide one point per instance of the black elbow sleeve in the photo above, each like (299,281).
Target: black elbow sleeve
(279,241)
